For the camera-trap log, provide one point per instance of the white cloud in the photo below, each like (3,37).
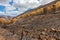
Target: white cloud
(10,8)
(5,1)
(2,13)
(12,13)
(23,5)
(27,3)
(30,3)
(43,2)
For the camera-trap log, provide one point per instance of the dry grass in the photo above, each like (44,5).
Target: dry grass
(37,11)
(32,25)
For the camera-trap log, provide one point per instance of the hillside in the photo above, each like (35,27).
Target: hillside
(53,6)
(48,8)
(42,23)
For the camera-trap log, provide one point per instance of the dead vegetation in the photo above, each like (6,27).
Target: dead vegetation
(40,24)
(55,6)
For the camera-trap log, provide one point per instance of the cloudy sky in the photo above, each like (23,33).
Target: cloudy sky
(16,7)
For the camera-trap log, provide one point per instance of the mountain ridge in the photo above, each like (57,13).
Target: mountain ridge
(39,10)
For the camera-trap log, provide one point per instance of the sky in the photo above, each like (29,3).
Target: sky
(17,7)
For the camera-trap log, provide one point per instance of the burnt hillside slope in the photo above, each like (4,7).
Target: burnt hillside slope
(34,25)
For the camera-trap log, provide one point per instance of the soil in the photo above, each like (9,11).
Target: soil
(38,27)
(44,26)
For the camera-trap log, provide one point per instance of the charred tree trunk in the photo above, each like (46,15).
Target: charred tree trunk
(45,10)
(53,9)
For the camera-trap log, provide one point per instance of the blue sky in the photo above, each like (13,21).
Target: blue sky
(2,8)
(16,7)
(4,11)
(11,2)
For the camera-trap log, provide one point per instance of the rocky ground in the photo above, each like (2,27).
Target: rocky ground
(44,26)
(38,27)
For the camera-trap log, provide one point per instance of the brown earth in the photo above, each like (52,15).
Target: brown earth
(44,26)
(39,27)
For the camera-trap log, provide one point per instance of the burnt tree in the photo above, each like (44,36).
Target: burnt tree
(53,9)
(45,10)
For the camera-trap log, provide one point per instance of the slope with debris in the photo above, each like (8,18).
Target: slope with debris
(34,25)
